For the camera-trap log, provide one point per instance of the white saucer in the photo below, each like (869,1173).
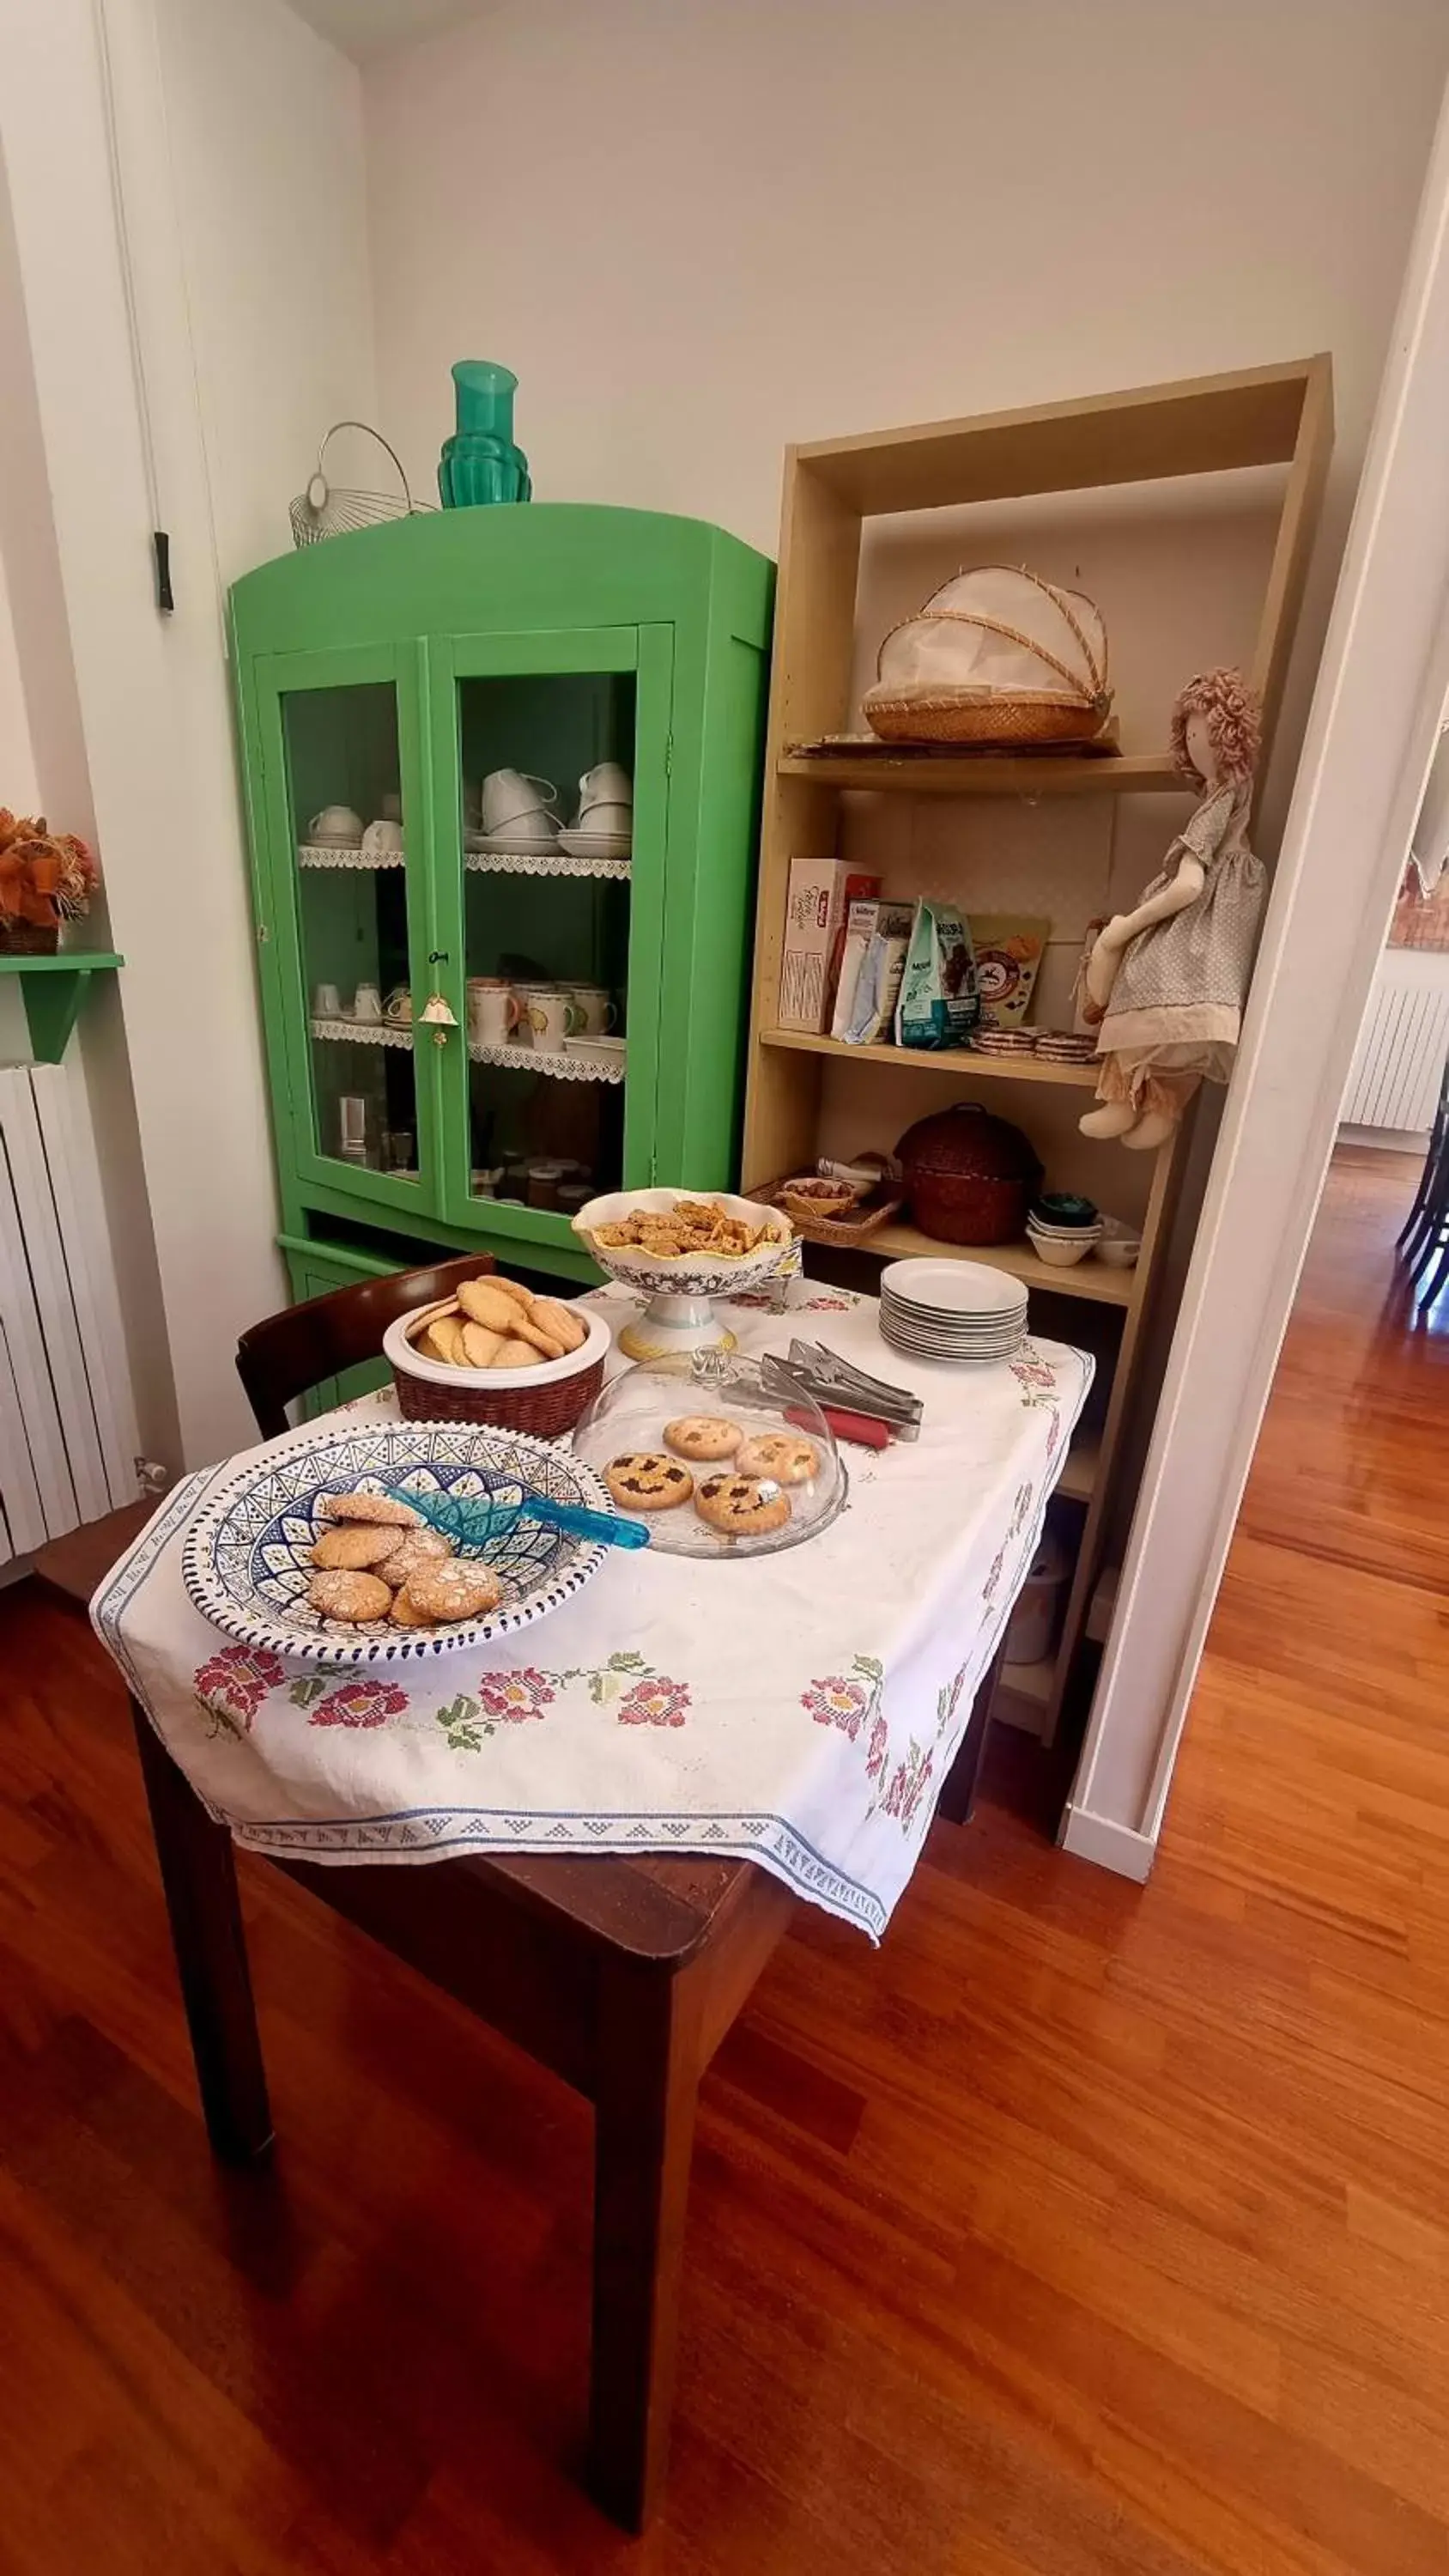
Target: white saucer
(512,845)
(597,845)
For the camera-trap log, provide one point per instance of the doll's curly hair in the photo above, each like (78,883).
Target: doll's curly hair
(1234,719)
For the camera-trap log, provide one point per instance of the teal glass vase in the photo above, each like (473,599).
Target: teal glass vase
(480,462)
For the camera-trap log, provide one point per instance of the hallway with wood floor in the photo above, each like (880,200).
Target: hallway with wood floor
(1082,2230)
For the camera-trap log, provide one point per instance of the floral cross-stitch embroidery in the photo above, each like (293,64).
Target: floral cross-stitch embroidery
(846,1700)
(641,1697)
(360,1704)
(517,1695)
(908,1784)
(231,1685)
(656,1702)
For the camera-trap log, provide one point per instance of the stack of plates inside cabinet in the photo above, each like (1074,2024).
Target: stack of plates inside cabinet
(952,1310)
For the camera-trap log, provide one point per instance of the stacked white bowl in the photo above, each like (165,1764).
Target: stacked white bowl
(1062,1246)
(952,1310)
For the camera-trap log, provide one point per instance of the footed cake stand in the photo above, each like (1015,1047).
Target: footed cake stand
(680,1317)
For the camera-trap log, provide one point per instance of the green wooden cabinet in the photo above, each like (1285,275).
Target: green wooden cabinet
(389,673)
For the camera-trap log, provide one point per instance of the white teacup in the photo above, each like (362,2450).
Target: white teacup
(494,1010)
(326,1002)
(514,801)
(614,819)
(595,1006)
(381,837)
(335,823)
(552,1016)
(367,1003)
(609,785)
(400,1006)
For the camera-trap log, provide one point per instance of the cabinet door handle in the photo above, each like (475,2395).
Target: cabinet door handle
(437,957)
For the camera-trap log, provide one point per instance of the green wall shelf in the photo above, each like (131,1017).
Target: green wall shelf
(382,679)
(54,989)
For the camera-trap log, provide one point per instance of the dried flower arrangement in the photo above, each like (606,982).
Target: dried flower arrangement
(45,878)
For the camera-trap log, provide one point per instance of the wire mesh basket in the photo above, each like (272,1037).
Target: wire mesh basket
(330,510)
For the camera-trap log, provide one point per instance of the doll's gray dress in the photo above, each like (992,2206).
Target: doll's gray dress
(1176,1006)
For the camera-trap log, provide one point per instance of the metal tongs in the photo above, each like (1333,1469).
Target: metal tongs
(819,1373)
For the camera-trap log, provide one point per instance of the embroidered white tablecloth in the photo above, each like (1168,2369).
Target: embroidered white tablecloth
(799,1710)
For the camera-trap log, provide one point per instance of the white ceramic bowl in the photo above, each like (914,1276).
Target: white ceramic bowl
(1119,1251)
(1057,1252)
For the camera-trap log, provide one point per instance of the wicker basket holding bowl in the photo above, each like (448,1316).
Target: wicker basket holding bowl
(546,1399)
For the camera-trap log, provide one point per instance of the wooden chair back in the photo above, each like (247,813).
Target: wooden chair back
(295,1351)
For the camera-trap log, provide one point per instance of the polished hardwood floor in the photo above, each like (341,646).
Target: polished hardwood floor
(1083,2230)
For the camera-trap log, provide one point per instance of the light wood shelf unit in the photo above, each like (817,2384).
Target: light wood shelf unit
(957,1064)
(934,773)
(1089,1279)
(1266,416)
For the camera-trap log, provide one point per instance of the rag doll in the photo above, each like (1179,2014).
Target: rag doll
(1165,983)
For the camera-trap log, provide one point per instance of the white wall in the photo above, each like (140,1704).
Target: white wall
(699,232)
(241,162)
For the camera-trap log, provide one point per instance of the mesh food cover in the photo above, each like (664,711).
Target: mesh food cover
(995,656)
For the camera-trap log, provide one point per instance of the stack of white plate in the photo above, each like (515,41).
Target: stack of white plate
(952,1310)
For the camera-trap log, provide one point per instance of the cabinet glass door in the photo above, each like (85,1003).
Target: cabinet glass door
(347,831)
(555,753)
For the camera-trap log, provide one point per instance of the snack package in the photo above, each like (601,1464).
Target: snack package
(879,980)
(938,1005)
(859,931)
(1009,950)
(819,893)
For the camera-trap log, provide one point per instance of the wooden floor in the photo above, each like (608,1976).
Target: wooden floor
(1084,2230)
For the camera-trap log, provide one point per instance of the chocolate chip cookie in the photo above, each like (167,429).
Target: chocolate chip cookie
(742,1506)
(644,1480)
(782,1455)
(705,1437)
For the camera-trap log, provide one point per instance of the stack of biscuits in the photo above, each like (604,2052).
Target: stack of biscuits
(377,1559)
(495,1323)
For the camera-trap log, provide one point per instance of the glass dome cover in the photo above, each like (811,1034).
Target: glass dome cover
(631,1418)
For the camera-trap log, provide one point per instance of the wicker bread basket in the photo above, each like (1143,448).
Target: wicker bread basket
(856,1226)
(996,657)
(546,1400)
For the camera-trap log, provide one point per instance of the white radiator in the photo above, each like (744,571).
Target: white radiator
(68,1438)
(1402,1045)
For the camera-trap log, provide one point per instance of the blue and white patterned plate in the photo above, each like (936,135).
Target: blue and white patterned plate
(245,1562)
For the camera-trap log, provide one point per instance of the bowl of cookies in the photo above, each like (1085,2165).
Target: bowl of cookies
(321,1545)
(496,1353)
(712,1458)
(681,1249)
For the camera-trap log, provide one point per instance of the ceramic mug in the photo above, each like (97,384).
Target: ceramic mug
(551,1015)
(514,800)
(400,1006)
(335,823)
(595,1006)
(326,1002)
(380,838)
(493,1010)
(610,787)
(367,1003)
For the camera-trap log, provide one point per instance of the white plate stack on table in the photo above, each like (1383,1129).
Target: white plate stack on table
(952,1310)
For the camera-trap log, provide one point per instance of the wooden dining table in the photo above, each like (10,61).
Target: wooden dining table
(621,1975)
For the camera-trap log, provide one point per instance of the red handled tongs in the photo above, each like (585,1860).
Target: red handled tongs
(866,1410)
